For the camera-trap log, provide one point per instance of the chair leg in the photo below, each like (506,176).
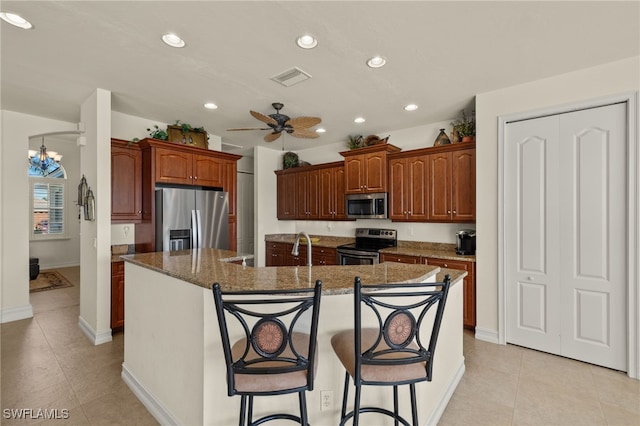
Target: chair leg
(250,415)
(395,404)
(345,395)
(356,406)
(243,409)
(414,408)
(303,409)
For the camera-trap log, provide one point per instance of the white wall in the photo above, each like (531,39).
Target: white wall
(587,84)
(95,236)
(15,217)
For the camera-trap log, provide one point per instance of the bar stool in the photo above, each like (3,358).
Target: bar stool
(391,354)
(274,348)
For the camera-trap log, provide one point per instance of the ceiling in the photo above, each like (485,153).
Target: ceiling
(440,54)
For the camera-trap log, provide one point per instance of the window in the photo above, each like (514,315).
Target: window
(48,215)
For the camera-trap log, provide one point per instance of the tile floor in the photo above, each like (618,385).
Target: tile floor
(48,363)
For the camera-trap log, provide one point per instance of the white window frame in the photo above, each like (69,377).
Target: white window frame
(33,181)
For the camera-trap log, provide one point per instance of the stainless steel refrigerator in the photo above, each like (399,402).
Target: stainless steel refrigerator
(191,218)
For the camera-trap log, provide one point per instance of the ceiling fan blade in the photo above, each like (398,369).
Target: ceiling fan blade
(264,118)
(303,122)
(249,128)
(304,133)
(272,137)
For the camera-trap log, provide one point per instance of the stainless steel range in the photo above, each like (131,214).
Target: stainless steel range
(365,250)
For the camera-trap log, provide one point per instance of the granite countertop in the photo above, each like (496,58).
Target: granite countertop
(409,248)
(437,250)
(323,240)
(203,267)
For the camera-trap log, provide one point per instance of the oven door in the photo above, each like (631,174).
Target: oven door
(351,257)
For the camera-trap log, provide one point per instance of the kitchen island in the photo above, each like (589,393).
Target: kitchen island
(173,359)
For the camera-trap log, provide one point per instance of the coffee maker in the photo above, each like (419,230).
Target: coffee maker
(466,241)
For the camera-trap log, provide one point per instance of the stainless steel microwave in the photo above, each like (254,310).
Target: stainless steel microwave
(367,206)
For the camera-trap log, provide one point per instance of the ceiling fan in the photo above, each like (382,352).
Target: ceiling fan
(278,123)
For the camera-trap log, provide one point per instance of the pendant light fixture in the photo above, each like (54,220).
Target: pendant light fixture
(44,161)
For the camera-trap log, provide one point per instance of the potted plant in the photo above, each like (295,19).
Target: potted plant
(464,128)
(157,133)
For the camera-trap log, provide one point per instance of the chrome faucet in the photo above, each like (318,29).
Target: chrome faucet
(295,251)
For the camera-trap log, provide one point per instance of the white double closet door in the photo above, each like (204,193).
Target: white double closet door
(566,234)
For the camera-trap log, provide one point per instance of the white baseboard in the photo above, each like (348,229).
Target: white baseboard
(95,338)
(448,393)
(44,267)
(487,335)
(155,407)
(17,313)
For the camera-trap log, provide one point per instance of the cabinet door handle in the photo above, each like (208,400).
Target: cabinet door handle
(196,178)
(454,212)
(139,211)
(448,211)
(190,177)
(446,265)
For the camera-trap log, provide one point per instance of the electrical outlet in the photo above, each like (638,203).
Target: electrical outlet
(326,400)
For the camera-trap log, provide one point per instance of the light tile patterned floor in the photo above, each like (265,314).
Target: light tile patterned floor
(48,363)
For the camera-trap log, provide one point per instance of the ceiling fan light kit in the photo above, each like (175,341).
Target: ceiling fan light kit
(298,127)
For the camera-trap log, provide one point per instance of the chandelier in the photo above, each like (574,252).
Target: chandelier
(42,161)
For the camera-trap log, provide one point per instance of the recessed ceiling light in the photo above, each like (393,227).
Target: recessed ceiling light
(210,105)
(307,41)
(411,107)
(359,120)
(16,20)
(376,62)
(320,130)
(173,40)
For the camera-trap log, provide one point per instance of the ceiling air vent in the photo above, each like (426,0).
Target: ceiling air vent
(291,77)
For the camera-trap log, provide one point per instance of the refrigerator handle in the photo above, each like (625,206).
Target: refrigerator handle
(199,221)
(194,230)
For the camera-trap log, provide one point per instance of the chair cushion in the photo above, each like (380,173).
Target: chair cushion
(272,382)
(343,346)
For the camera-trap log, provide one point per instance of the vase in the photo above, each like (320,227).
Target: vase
(442,139)
(469,139)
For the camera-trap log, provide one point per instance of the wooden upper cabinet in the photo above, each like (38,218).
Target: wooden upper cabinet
(463,185)
(366,168)
(311,192)
(173,166)
(286,197)
(126,182)
(440,186)
(207,171)
(452,186)
(185,168)
(408,188)
(307,187)
(331,193)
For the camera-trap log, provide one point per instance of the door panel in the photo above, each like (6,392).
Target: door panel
(594,279)
(533,291)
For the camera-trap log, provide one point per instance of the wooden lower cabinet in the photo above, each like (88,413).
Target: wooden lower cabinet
(469,282)
(276,254)
(117,295)
(469,290)
(400,258)
(279,254)
(323,256)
